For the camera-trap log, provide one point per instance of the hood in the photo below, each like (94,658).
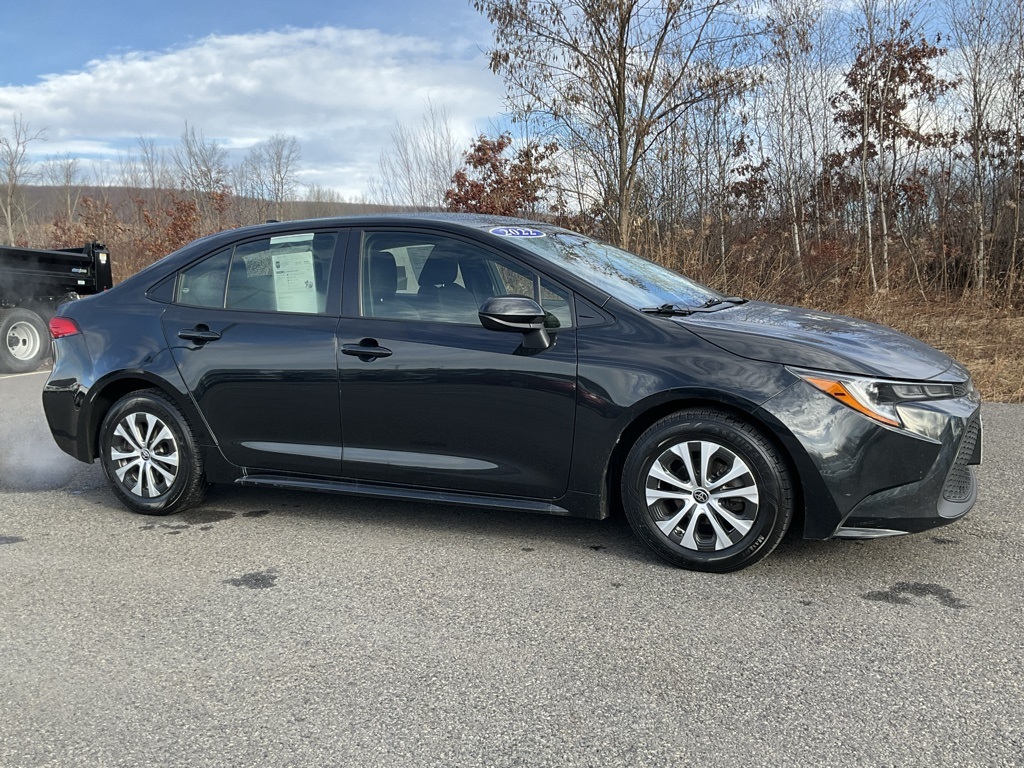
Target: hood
(809,339)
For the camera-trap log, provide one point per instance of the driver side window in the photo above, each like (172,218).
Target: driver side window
(408,275)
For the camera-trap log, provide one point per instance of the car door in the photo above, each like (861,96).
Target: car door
(431,398)
(252,330)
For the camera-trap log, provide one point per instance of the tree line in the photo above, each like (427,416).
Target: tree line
(152,199)
(774,147)
(877,145)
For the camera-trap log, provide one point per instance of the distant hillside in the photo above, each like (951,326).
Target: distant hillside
(44,202)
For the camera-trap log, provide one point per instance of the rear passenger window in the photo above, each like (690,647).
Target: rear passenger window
(288,273)
(202,285)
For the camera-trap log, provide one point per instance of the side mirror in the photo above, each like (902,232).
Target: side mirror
(517,314)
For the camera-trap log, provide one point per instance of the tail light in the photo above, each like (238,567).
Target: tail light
(63,326)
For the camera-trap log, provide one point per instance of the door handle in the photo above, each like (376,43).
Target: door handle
(200,334)
(365,350)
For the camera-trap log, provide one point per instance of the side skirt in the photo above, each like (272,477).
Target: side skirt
(354,488)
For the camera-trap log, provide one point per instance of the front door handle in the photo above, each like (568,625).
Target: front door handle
(366,350)
(200,334)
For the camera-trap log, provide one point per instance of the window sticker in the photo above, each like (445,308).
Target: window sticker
(294,279)
(517,232)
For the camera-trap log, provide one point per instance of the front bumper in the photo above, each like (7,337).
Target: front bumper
(861,479)
(945,495)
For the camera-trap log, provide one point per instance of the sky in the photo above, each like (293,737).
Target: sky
(337,75)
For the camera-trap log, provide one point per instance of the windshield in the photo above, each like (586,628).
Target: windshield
(629,278)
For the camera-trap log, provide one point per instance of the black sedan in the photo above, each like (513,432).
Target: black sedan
(508,364)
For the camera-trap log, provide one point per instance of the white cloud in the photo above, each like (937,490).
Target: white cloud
(339,91)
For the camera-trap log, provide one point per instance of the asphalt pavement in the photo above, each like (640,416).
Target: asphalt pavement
(275,629)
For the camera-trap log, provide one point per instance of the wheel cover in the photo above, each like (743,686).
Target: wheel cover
(23,341)
(702,496)
(144,455)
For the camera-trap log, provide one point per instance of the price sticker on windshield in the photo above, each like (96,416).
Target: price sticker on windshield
(516,232)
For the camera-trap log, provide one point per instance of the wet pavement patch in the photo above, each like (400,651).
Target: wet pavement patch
(944,540)
(201,518)
(11,539)
(902,592)
(206,516)
(170,528)
(256,580)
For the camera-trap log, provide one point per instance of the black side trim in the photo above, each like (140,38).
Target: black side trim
(355,488)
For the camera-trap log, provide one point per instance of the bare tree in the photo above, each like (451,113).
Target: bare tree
(250,205)
(981,54)
(203,173)
(15,170)
(612,76)
(146,166)
(1011,17)
(789,122)
(64,174)
(153,159)
(417,169)
(322,201)
(270,172)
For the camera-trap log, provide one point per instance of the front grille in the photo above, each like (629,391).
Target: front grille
(958,481)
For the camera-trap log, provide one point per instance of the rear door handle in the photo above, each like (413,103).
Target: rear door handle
(365,350)
(200,334)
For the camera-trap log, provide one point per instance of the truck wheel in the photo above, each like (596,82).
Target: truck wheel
(24,340)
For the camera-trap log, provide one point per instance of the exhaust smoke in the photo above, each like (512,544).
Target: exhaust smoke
(29,458)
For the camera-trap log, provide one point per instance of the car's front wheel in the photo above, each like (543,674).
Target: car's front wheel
(149,454)
(707,491)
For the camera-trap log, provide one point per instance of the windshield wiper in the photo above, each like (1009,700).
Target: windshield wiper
(682,311)
(728,299)
(669,309)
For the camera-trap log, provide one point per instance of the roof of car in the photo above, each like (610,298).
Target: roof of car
(476,221)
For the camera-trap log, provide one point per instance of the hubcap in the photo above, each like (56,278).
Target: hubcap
(23,341)
(701,495)
(144,455)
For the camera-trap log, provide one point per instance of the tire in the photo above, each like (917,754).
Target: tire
(148,451)
(24,341)
(733,517)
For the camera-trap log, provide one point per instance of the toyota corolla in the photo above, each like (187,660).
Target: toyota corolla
(508,364)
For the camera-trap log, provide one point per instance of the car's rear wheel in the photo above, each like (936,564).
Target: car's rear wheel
(707,491)
(149,454)
(24,341)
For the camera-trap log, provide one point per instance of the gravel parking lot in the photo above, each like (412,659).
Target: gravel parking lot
(272,628)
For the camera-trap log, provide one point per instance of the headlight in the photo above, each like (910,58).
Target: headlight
(877,398)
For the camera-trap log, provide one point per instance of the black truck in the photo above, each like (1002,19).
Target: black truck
(33,284)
